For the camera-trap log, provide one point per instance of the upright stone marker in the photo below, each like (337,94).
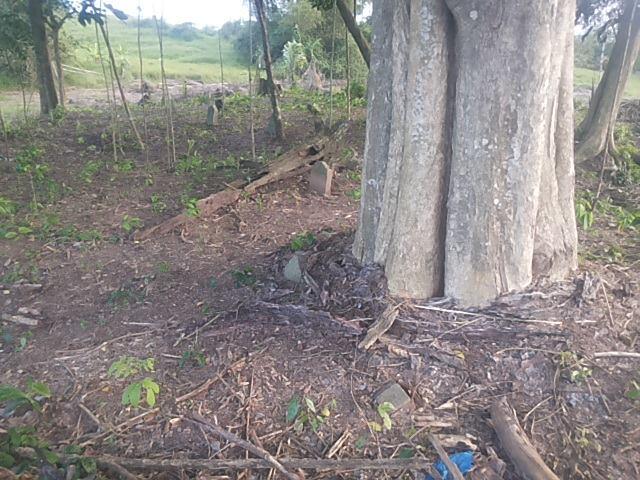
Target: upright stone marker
(320,178)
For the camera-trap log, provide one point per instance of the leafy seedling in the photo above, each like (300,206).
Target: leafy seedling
(132,395)
(32,397)
(302,241)
(307,413)
(384,411)
(126,367)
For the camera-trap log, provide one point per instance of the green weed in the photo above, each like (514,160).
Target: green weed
(301,414)
(302,241)
(244,277)
(126,366)
(130,224)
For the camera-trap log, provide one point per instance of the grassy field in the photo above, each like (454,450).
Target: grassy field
(584,77)
(196,58)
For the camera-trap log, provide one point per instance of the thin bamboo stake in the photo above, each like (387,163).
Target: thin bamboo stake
(105,35)
(253,134)
(333,44)
(221,71)
(171,140)
(112,105)
(144,104)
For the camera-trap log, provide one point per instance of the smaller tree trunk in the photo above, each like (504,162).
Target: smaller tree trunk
(350,22)
(597,128)
(277,117)
(48,97)
(57,56)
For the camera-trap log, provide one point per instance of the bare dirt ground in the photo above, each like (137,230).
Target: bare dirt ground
(235,342)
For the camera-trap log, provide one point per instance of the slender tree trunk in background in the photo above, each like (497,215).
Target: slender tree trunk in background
(333,53)
(48,96)
(348,68)
(356,33)
(57,56)
(467,187)
(251,117)
(597,128)
(275,105)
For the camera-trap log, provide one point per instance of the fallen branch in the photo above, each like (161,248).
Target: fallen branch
(616,355)
(517,445)
(230,437)
(290,164)
(379,327)
(215,464)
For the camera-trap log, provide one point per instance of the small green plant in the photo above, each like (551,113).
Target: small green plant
(302,241)
(633,392)
(584,213)
(132,395)
(191,207)
(23,437)
(578,371)
(384,411)
(130,224)
(163,267)
(244,277)
(356,193)
(126,366)
(7,207)
(28,164)
(90,170)
(32,397)
(124,296)
(194,357)
(158,204)
(124,166)
(302,414)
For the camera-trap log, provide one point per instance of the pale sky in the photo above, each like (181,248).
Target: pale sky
(199,12)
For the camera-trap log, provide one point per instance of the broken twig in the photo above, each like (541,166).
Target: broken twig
(230,437)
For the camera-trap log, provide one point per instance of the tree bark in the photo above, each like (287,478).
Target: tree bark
(46,85)
(599,123)
(277,117)
(356,33)
(468,178)
(57,55)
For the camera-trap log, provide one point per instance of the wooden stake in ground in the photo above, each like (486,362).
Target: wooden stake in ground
(110,100)
(170,140)
(142,89)
(253,133)
(221,72)
(105,36)
(517,445)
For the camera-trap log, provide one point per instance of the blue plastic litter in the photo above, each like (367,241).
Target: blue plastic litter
(463,460)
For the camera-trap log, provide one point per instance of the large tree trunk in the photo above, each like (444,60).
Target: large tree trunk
(468,177)
(352,26)
(277,117)
(603,109)
(48,97)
